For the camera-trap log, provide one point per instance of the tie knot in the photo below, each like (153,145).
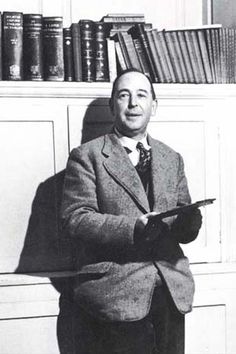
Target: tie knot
(144,158)
(140,146)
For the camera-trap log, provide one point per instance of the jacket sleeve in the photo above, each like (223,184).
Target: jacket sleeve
(80,207)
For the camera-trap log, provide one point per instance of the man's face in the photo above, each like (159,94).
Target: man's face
(132,104)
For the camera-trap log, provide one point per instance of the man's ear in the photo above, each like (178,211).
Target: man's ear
(111,105)
(154,106)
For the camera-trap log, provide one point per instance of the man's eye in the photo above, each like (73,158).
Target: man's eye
(142,95)
(123,95)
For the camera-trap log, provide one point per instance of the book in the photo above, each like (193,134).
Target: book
(87,50)
(125,26)
(119,38)
(68,54)
(185,55)
(112,62)
(123,17)
(53,48)
(142,57)
(174,58)
(32,47)
(210,53)
(76,48)
(12,45)
(138,31)
(182,209)
(121,63)
(193,57)
(101,55)
(161,55)
(205,56)
(216,53)
(156,58)
(166,54)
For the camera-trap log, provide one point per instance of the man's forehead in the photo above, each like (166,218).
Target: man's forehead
(133,80)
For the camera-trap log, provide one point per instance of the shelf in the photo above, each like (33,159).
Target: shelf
(53,89)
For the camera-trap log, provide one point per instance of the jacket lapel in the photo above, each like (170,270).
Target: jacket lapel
(158,173)
(121,169)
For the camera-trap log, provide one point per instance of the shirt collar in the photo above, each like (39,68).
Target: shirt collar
(131,143)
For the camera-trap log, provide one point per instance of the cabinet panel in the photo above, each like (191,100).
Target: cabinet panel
(29,336)
(206,330)
(33,146)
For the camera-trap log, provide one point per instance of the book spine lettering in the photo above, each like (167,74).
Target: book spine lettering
(87,50)
(101,56)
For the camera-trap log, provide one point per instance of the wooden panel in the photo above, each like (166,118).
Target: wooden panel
(29,336)
(32,147)
(184,127)
(206,330)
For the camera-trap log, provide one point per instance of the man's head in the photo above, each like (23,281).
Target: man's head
(132,103)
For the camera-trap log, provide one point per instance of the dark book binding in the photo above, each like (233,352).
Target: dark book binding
(101,56)
(12,45)
(32,47)
(87,50)
(138,31)
(68,54)
(53,48)
(76,48)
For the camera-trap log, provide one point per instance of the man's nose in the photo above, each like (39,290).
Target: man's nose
(132,101)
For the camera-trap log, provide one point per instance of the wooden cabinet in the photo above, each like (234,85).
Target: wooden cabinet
(39,124)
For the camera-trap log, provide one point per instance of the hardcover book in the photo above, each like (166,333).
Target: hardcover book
(101,56)
(68,54)
(53,48)
(76,47)
(12,45)
(87,50)
(112,61)
(32,47)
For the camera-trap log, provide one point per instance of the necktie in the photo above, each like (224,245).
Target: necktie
(144,158)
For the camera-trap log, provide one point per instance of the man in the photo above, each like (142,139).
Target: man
(133,284)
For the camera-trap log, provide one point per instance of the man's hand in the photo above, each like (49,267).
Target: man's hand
(147,232)
(187,225)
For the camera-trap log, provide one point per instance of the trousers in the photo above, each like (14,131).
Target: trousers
(161,332)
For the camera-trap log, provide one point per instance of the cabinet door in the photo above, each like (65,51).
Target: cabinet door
(184,125)
(33,150)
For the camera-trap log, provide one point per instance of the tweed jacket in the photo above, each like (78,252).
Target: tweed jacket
(103,196)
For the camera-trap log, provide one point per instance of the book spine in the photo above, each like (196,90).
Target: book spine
(87,50)
(170,43)
(161,55)
(68,54)
(179,55)
(12,45)
(186,58)
(210,53)
(76,47)
(123,19)
(167,57)
(32,47)
(112,62)
(101,56)
(205,56)
(216,53)
(138,31)
(142,57)
(192,56)
(120,58)
(156,60)
(133,56)
(53,48)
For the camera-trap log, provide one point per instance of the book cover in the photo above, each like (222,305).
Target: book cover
(185,55)
(68,54)
(33,47)
(12,45)
(76,47)
(101,55)
(87,50)
(138,31)
(112,62)
(53,48)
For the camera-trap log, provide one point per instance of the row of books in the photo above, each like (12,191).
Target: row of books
(38,48)
(195,55)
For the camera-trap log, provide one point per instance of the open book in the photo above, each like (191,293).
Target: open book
(181,209)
